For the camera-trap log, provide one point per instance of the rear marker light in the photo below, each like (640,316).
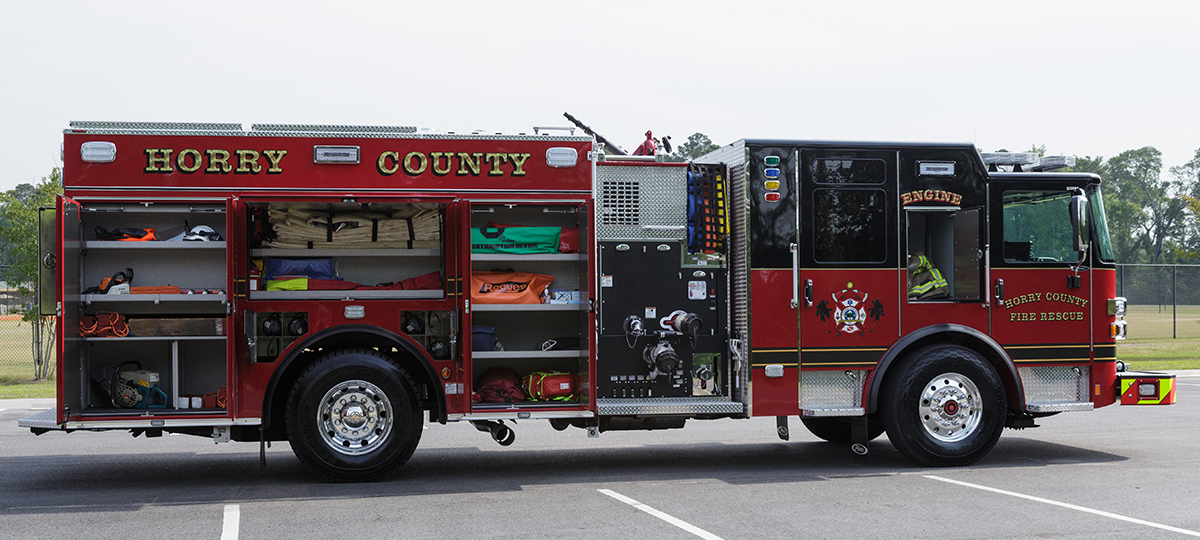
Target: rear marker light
(1148,390)
(771,197)
(98,152)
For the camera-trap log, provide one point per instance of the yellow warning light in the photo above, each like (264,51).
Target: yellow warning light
(849,284)
(446,373)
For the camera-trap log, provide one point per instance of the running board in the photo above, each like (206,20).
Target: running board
(667,406)
(833,411)
(1059,407)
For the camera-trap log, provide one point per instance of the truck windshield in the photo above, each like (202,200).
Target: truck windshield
(1100,224)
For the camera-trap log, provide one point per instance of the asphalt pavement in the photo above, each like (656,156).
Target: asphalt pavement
(1118,472)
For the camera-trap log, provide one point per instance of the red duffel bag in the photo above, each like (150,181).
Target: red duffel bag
(499,385)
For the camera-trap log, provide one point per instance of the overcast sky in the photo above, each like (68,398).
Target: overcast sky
(1080,77)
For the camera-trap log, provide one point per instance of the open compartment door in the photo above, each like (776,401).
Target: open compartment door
(71,386)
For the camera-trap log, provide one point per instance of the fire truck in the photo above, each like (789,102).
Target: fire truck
(336,286)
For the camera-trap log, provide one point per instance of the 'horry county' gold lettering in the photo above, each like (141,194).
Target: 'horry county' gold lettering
(443,163)
(213,161)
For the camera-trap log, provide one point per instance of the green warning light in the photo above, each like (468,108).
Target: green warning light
(772,161)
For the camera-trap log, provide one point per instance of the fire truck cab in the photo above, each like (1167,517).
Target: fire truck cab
(332,286)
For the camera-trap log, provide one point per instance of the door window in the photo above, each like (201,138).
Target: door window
(1037,227)
(850,226)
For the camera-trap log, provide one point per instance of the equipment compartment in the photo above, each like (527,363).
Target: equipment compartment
(174,289)
(549,336)
(377,250)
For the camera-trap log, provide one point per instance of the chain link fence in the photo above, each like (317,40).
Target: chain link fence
(26,347)
(1163,300)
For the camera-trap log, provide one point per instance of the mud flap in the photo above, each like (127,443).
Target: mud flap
(859,440)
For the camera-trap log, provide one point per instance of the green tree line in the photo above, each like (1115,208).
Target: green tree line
(1152,216)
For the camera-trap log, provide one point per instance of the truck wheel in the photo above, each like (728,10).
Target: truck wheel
(837,429)
(945,407)
(353,416)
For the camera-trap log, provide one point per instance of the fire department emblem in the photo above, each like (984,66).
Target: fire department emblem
(850,312)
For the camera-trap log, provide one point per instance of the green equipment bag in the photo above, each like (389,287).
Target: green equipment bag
(517,240)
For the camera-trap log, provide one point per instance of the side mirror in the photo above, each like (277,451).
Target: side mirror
(1079,222)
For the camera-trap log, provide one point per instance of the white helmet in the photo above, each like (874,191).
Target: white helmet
(202,233)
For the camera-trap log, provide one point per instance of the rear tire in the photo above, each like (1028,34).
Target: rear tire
(837,429)
(353,416)
(944,407)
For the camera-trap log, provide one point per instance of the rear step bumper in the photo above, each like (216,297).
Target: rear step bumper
(1146,388)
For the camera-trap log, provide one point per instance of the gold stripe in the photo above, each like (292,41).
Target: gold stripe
(1043,346)
(847,364)
(868,349)
(765,365)
(1036,360)
(752,351)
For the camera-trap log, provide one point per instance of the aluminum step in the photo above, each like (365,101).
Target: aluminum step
(667,406)
(1059,407)
(47,419)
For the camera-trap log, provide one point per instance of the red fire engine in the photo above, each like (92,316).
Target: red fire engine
(332,285)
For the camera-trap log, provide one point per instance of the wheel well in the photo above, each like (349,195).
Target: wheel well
(406,354)
(963,336)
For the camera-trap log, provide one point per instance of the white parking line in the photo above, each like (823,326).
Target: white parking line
(233,514)
(1187,384)
(1071,506)
(660,515)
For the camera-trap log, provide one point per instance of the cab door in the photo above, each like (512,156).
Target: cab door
(1041,287)
(847,271)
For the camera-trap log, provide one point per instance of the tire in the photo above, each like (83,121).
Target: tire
(837,429)
(944,407)
(353,416)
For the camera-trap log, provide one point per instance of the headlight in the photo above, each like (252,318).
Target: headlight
(1116,306)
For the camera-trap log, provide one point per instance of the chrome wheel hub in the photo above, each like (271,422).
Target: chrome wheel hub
(951,407)
(355,417)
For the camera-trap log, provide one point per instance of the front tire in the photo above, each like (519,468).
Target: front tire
(945,407)
(353,416)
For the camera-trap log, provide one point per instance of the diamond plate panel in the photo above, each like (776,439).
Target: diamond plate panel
(666,406)
(1055,384)
(42,420)
(641,202)
(831,389)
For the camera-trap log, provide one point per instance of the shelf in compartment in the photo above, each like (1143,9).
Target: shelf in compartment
(169,411)
(537,257)
(488,355)
(334,252)
(529,307)
(350,294)
(524,405)
(151,338)
(152,298)
(156,208)
(102,244)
